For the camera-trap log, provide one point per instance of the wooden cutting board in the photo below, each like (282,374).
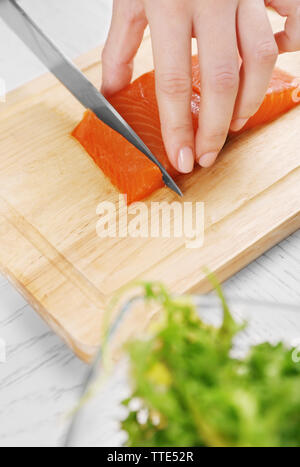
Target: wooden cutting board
(50,189)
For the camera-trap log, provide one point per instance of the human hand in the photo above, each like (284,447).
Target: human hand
(225,30)
(287,40)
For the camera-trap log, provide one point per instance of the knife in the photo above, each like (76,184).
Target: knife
(73,79)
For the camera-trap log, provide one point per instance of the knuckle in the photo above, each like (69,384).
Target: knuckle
(179,6)
(174,84)
(177,127)
(173,8)
(217,136)
(225,78)
(267,52)
(133,13)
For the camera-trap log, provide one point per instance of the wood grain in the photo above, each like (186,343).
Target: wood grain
(50,189)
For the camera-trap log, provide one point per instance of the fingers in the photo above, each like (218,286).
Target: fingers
(289,39)
(259,52)
(219,70)
(171,29)
(124,38)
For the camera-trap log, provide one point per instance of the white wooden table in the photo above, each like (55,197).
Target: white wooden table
(41,378)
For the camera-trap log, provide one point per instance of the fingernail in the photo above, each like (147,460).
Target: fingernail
(186,160)
(238,124)
(208,159)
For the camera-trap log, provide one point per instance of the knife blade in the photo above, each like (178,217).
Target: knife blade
(73,79)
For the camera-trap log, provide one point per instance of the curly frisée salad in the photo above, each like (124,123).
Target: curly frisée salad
(192,392)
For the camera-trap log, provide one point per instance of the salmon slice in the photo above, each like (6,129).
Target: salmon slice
(127,168)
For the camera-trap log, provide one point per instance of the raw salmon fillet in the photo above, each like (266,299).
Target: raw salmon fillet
(282,95)
(127,168)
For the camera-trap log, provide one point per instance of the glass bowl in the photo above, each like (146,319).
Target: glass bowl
(96,420)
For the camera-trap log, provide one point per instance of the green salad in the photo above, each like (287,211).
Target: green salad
(191,392)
